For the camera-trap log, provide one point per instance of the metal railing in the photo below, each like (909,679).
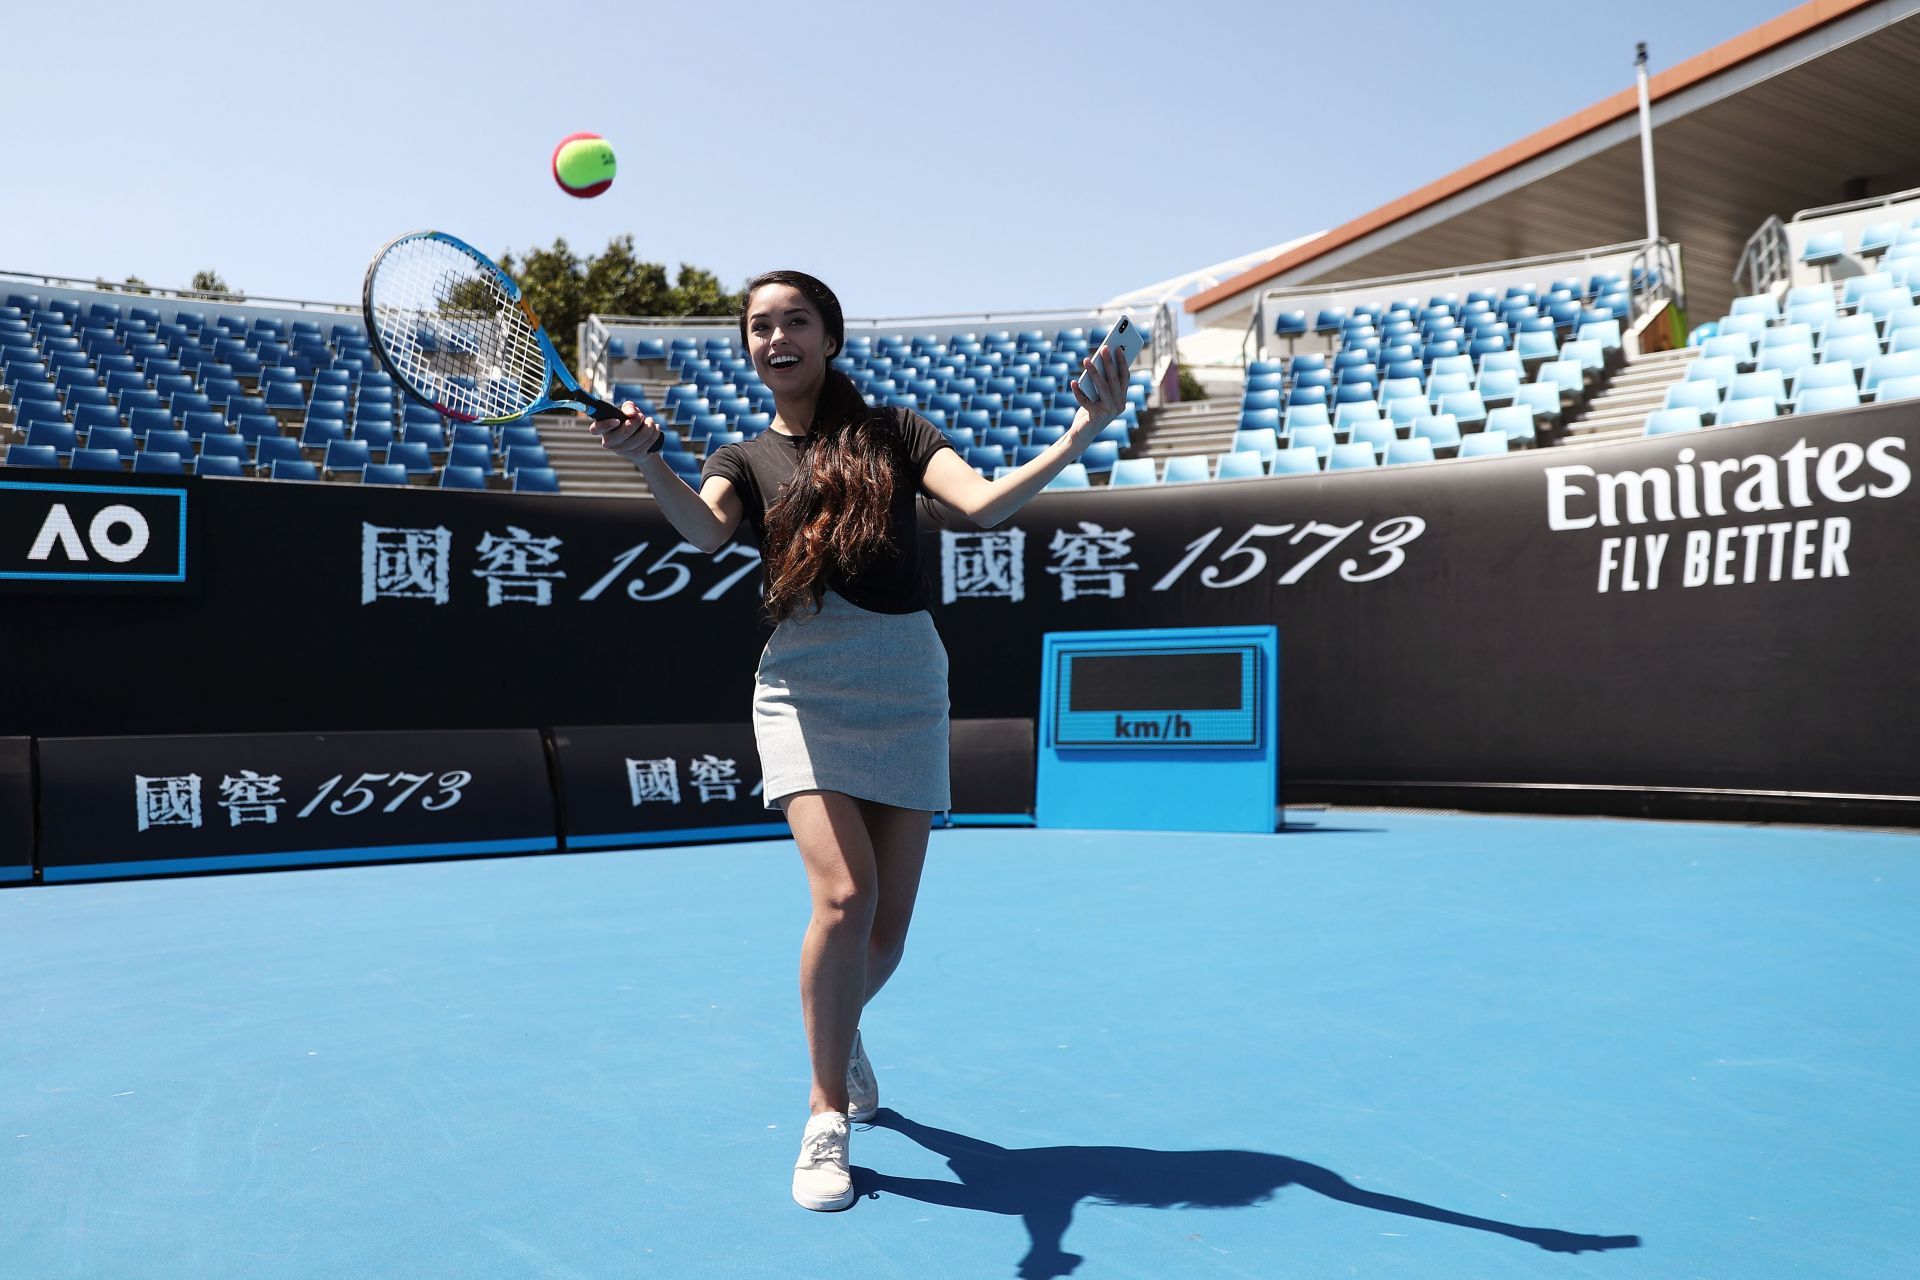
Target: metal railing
(1767,258)
(1661,254)
(132,293)
(596,333)
(1655,280)
(1164,347)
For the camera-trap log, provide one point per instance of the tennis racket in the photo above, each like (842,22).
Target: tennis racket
(455,331)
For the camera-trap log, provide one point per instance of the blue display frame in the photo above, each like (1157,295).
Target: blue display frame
(1160,781)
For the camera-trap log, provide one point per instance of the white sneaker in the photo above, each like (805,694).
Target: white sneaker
(863,1091)
(821,1179)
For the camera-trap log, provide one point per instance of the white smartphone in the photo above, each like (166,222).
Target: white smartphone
(1125,337)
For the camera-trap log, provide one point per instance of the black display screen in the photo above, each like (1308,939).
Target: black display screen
(1157,682)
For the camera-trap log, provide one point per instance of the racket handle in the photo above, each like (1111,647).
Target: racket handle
(601,411)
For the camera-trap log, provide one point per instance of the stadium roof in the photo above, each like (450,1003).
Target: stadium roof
(1820,105)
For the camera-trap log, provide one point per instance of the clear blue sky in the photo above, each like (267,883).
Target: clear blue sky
(919,157)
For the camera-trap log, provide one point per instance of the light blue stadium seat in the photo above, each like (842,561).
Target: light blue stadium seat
(1378,434)
(1187,469)
(1241,465)
(1134,471)
(1100,456)
(1900,365)
(1665,421)
(1353,415)
(1877,239)
(1072,476)
(1481,444)
(1565,374)
(1719,370)
(1760,304)
(1319,439)
(1858,349)
(1858,287)
(1542,398)
(1260,440)
(1769,383)
(1751,409)
(1297,461)
(1417,449)
(1306,415)
(1346,457)
(1514,422)
(1904,386)
(1736,346)
(1824,248)
(1826,399)
(1465,407)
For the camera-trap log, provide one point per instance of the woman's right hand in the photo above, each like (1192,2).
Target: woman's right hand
(632,436)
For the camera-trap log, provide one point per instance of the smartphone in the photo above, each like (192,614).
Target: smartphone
(1125,337)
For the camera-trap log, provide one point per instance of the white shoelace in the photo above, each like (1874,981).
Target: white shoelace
(825,1147)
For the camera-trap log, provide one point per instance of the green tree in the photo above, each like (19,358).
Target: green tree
(564,289)
(210,282)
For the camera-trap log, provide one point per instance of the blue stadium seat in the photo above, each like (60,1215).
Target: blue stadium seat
(383,473)
(271,449)
(985,457)
(1240,465)
(1481,444)
(536,480)
(1100,456)
(346,455)
(96,460)
(1299,460)
(1350,416)
(215,465)
(1904,386)
(1514,421)
(1377,434)
(294,469)
(1464,407)
(158,462)
(1900,365)
(33,455)
(1665,421)
(1134,471)
(1826,399)
(1768,383)
(1416,449)
(58,436)
(429,436)
(459,477)
(117,438)
(1072,476)
(1346,457)
(1261,440)
(1319,439)
(199,422)
(1752,409)
(226,446)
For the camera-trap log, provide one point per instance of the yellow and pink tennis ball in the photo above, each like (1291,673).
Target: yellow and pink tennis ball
(583,164)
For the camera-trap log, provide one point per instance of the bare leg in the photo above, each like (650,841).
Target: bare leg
(899,839)
(841,876)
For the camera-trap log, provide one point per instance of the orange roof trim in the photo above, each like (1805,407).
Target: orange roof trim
(1767,36)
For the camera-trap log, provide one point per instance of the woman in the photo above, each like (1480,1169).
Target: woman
(850,699)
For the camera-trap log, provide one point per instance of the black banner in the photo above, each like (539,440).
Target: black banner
(16,809)
(1729,608)
(992,770)
(94,532)
(646,784)
(137,806)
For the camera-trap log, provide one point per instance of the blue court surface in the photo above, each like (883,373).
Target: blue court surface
(1378,1044)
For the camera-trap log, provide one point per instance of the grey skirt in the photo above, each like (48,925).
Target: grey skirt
(853,701)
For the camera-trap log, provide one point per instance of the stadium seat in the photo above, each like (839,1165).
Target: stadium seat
(383,473)
(1768,383)
(158,462)
(985,457)
(1904,387)
(1319,439)
(1377,434)
(1901,365)
(33,455)
(1072,476)
(58,436)
(1828,398)
(1514,423)
(1665,421)
(1751,409)
(1481,444)
(1346,457)
(294,469)
(1297,461)
(226,446)
(215,465)
(1100,456)
(458,477)
(345,455)
(536,480)
(1241,465)
(1417,449)
(1134,471)
(271,449)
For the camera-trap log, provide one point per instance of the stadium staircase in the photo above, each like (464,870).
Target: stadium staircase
(1619,410)
(1190,427)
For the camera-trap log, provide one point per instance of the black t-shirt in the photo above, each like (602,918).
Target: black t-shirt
(891,583)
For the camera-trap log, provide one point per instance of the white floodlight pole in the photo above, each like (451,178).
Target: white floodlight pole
(1646,145)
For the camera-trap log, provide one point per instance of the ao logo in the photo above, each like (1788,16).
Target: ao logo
(60,528)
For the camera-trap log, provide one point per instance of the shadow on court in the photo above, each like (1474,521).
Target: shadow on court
(1041,1185)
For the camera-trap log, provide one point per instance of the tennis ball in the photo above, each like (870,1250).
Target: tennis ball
(583,164)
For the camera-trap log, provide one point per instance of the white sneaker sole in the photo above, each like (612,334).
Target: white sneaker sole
(824,1206)
(861,1117)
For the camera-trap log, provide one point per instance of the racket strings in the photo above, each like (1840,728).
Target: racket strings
(454,333)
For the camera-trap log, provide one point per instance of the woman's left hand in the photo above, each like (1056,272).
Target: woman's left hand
(1107,370)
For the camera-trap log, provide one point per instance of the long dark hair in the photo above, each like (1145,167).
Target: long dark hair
(836,510)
